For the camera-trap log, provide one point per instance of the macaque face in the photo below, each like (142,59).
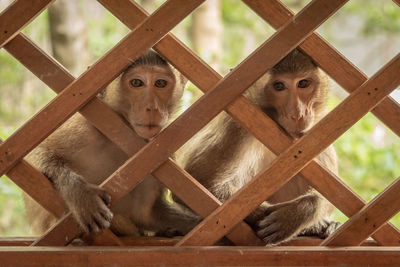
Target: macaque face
(291,96)
(149,90)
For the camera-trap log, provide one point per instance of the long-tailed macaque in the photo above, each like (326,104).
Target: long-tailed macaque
(224,156)
(77,157)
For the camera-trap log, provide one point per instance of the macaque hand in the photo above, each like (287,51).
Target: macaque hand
(281,222)
(90,208)
(322,229)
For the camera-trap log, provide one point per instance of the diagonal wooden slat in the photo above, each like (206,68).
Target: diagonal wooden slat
(369,219)
(290,162)
(36,185)
(241,109)
(330,60)
(92,81)
(106,121)
(93,109)
(397,2)
(98,113)
(18,14)
(200,113)
(158,150)
(320,178)
(132,14)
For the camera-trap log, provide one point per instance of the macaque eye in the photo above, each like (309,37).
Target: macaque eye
(303,83)
(136,83)
(279,86)
(160,83)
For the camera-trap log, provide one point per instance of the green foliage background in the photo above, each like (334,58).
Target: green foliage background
(366,165)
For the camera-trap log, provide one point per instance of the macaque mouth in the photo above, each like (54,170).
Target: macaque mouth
(150,125)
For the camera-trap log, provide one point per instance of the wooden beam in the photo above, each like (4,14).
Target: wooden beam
(200,113)
(37,186)
(106,120)
(295,158)
(241,109)
(92,81)
(142,241)
(329,59)
(204,256)
(17,15)
(369,219)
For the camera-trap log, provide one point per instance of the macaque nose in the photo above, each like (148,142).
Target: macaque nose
(297,117)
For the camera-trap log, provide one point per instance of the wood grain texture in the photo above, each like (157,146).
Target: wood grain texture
(17,15)
(200,113)
(369,219)
(200,200)
(92,81)
(290,162)
(207,256)
(99,114)
(140,241)
(106,120)
(330,60)
(326,182)
(241,109)
(181,183)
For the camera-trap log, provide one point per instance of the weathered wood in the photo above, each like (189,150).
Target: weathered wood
(98,114)
(290,162)
(18,14)
(92,81)
(40,188)
(170,47)
(207,256)
(163,241)
(200,113)
(200,200)
(369,219)
(37,186)
(57,78)
(16,241)
(241,109)
(329,59)
(326,182)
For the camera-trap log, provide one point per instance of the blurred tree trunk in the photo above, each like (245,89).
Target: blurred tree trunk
(148,5)
(206,32)
(69,37)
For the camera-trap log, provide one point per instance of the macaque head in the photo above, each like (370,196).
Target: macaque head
(148,94)
(294,93)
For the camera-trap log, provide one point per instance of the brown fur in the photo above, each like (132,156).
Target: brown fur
(77,157)
(224,156)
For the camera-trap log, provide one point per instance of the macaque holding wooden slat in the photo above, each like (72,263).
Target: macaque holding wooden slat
(224,156)
(77,157)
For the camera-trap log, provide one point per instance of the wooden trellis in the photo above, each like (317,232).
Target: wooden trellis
(78,95)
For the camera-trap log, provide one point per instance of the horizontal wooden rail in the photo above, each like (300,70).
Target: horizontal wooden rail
(290,162)
(17,15)
(207,256)
(163,241)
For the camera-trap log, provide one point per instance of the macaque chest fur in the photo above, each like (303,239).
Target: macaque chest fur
(224,157)
(77,157)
